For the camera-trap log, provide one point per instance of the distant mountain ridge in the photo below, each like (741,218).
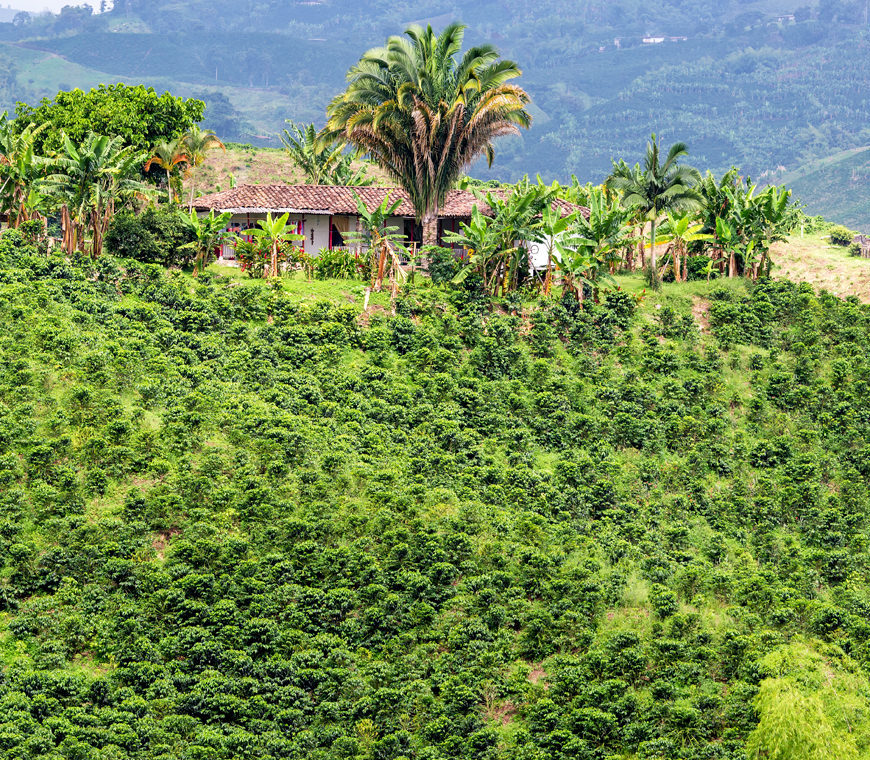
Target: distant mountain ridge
(835,187)
(769,85)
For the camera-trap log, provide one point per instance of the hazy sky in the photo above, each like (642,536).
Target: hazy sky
(40,5)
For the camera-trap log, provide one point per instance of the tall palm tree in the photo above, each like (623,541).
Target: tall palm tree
(635,174)
(657,188)
(197,143)
(89,181)
(424,114)
(168,155)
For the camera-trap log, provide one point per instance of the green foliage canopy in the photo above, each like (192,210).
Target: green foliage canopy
(137,114)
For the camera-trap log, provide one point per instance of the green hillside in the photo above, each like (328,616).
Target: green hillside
(241,521)
(835,187)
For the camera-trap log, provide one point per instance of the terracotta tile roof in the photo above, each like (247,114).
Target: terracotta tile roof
(335,199)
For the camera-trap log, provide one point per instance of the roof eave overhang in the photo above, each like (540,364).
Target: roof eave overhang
(264,210)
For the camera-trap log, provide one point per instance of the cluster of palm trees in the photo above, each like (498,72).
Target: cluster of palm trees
(182,157)
(423,111)
(728,223)
(729,219)
(82,185)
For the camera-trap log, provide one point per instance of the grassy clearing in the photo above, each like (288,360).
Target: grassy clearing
(810,258)
(256,166)
(814,260)
(249,166)
(308,291)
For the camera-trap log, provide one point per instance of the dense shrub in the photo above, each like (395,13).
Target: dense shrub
(339,264)
(840,235)
(442,263)
(158,236)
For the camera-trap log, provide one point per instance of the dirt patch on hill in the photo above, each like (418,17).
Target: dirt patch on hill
(161,541)
(823,266)
(701,313)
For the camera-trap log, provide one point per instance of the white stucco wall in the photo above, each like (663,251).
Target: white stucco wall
(316,233)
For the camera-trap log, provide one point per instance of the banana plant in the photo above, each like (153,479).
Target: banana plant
(726,238)
(481,244)
(273,232)
(551,232)
(20,171)
(492,241)
(776,219)
(210,232)
(608,224)
(584,261)
(384,241)
(680,231)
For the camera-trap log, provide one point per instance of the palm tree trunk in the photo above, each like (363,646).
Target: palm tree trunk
(192,188)
(274,258)
(168,189)
(641,248)
(430,228)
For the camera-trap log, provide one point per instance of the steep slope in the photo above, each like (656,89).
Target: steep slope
(235,525)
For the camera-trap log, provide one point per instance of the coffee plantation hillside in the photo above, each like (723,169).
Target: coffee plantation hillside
(234,524)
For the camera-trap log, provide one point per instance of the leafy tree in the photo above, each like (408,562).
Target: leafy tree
(657,188)
(136,114)
(811,707)
(424,115)
(157,235)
